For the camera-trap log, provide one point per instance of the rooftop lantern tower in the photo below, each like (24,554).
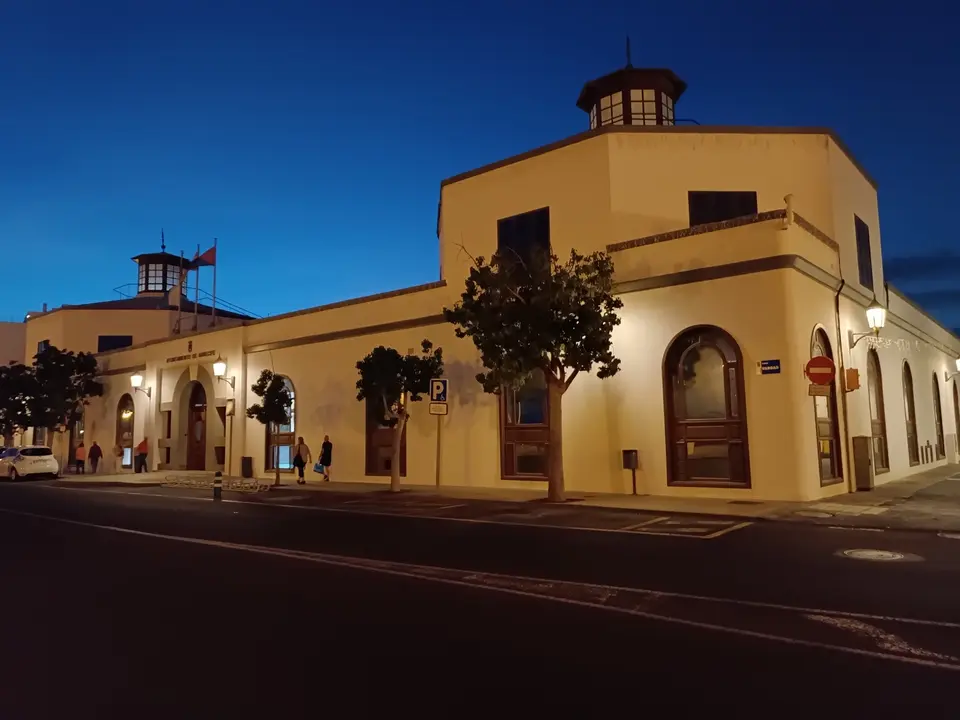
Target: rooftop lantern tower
(158,272)
(632,96)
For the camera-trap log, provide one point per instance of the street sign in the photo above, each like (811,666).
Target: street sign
(438,390)
(814,390)
(768,367)
(821,370)
(438,408)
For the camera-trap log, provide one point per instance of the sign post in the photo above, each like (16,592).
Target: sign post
(438,407)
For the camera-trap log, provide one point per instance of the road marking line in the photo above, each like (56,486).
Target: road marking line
(380,513)
(645,523)
(392,568)
(719,533)
(527,578)
(883,639)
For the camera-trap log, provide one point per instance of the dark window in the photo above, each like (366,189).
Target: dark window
(524,236)
(938,419)
(379,442)
(113,342)
(910,416)
(525,430)
(42,345)
(710,206)
(864,259)
(36,452)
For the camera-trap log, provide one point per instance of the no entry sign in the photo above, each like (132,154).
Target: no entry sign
(820,370)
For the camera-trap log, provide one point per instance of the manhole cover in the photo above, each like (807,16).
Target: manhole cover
(813,514)
(878,555)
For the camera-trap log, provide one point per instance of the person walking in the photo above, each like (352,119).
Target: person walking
(326,457)
(301,456)
(95,454)
(140,462)
(79,459)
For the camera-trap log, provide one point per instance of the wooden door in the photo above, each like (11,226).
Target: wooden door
(197,429)
(705,410)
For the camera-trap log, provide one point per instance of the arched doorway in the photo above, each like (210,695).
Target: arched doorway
(705,415)
(910,416)
(825,414)
(938,419)
(878,416)
(125,418)
(197,428)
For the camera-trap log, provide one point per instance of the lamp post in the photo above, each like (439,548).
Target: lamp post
(220,371)
(876,319)
(948,375)
(136,382)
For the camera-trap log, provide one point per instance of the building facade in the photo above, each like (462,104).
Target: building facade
(740,253)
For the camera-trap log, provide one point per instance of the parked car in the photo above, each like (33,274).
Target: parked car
(33,460)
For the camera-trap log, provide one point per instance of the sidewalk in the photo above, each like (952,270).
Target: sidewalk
(929,500)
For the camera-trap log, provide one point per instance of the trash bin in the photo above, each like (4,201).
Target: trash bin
(246,467)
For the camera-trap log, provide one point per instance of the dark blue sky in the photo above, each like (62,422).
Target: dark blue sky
(311,141)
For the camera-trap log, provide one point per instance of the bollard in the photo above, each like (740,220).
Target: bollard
(217,485)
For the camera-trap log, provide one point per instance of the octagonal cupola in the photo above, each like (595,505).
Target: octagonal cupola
(158,272)
(632,96)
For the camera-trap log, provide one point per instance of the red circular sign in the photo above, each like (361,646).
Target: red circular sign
(821,370)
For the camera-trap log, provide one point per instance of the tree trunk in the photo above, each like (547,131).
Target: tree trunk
(395,461)
(555,489)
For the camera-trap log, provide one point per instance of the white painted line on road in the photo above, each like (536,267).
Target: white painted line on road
(842,527)
(381,513)
(526,578)
(883,639)
(407,571)
(646,523)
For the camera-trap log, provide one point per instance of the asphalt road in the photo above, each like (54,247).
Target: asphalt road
(122,604)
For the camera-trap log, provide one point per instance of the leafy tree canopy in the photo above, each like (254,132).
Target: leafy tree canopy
(275,400)
(390,378)
(17,387)
(62,382)
(539,315)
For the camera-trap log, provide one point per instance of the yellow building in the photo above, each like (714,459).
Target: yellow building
(740,253)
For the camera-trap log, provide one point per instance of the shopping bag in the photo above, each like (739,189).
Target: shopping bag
(319,468)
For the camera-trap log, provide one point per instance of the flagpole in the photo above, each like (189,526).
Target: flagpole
(196,295)
(181,286)
(213,314)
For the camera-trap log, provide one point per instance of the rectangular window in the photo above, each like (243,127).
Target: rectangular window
(864,258)
(525,430)
(710,206)
(142,283)
(643,107)
(105,343)
(155,277)
(524,236)
(611,109)
(42,345)
(39,436)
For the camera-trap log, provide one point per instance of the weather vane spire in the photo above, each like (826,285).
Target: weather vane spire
(163,241)
(629,63)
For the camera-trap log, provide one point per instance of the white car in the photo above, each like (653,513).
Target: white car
(17,463)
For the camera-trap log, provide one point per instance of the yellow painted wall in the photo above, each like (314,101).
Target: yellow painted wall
(12,342)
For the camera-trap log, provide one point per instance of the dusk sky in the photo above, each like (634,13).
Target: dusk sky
(311,137)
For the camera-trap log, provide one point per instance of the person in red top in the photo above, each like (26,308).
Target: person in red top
(140,463)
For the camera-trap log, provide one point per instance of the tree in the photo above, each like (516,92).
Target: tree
(63,382)
(392,381)
(274,405)
(535,315)
(16,388)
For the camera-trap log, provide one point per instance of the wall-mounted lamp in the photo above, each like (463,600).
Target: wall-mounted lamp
(220,370)
(136,382)
(947,376)
(876,319)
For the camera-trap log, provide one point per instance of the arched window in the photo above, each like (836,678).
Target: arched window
(125,417)
(910,416)
(956,415)
(825,415)
(878,417)
(281,438)
(705,412)
(938,419)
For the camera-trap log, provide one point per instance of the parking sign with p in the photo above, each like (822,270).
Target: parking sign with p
(438,390)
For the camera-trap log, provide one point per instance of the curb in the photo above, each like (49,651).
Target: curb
(94,484)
